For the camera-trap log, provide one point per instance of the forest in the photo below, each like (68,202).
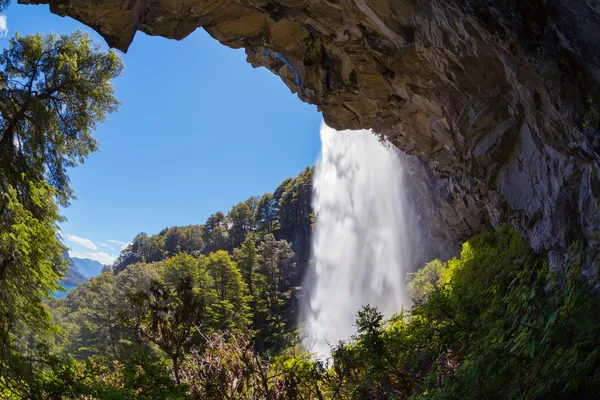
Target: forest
(211,311)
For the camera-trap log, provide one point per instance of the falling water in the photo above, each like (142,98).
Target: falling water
(361,247)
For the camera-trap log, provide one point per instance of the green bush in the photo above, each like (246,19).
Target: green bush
(493,323)
(513,329)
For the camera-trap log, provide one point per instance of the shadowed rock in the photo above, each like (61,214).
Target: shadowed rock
(490,96)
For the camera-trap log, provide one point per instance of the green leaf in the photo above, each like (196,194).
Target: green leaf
(581,320)
(531,347)
(559,335)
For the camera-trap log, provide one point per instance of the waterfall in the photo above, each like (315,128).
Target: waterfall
(360,245)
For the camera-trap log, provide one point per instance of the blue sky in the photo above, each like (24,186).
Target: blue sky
(198,131)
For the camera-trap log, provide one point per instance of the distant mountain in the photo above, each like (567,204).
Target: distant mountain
(73,277)
(87,267)
(79,272)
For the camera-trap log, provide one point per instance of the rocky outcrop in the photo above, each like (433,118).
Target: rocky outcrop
(498,99)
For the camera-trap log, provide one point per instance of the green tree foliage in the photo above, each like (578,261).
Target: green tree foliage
(427,280)
(91,314)
(183,239)
(375,364)
(148,248)
(167,243)
(168,303)
(232,308)
(31,260)
(228,368)
(143,376)
(277,269)
(31,265)
(183,266)
(492,323)
(228,232)
(240,220)
(533,335)
(266,213)
(274,294)
(167,317)
(271,282)
(278,193)
(295,210)
(54,90)
(247,262)
(216,235)
(97,320)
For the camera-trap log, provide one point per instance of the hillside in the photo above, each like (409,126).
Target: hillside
(246,267)
(88,268)
(73,277)
(286,214)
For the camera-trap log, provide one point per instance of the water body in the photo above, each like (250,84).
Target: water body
(361,243)
(60,294)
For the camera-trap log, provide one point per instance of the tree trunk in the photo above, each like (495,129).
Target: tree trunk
(176,369)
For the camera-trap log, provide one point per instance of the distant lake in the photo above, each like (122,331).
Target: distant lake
(62,295)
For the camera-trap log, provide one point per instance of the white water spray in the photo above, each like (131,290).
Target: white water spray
(360,246)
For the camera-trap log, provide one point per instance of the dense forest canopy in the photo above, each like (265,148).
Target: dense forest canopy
(211,311)
(286,214)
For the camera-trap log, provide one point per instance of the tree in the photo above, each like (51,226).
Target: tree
(252,202)
(216,235)
(97,315)
(167,243)
(183,266)
(31,261)
(168,316)
(152,248)
(247,262)
(92,313)
(53,92)
(277,268)
(228,368)
(240,220)
(232,299)
(144,248)
(266,213)
(278,193)
(295,204)
(426,280)
(274,294)
(183,239)
(31,265)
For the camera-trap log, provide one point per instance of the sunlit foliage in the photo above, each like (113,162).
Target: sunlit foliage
(54,90)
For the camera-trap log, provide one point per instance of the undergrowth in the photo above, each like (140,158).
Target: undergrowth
(494,323)
(504,327)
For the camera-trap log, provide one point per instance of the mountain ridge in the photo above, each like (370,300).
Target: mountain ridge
(80,271)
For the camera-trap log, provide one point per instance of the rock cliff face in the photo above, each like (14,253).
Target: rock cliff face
(499,100)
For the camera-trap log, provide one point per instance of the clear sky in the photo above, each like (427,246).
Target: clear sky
(199,130)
